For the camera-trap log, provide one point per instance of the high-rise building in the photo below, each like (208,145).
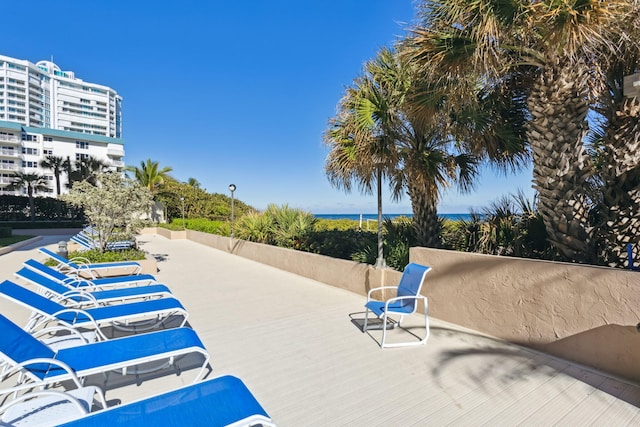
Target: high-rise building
(46,111)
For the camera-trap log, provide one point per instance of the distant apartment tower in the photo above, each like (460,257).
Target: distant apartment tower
(47,111)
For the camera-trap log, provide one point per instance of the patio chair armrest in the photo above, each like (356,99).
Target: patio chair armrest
(396,299)
(79,282)
(35,394)
(380,288)
(77,311)
(59,328)
(80,260)
(19,366)
(86,296)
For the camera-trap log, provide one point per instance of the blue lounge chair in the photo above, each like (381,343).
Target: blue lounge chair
(404,303)
(88,243)
(135,316)
(82,266)
(79,296)
(75,281)
(38,365)
(223,401)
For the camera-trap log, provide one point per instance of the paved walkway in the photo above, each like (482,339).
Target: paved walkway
(293,342)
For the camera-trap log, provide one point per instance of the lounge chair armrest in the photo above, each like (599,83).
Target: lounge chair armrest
(58,328)
(77,311)
(79,293)
(35,394)
(80,260)
(19,366)
(378,289)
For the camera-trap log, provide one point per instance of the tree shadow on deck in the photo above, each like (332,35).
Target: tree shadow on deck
(503,363)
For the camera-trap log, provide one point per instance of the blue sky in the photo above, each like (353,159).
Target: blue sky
(231,91)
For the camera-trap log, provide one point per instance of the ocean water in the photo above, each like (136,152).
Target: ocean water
(356,217)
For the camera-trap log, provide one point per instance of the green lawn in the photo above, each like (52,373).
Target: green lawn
(6,241)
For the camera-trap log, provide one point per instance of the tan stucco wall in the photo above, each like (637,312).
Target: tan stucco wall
(580,313)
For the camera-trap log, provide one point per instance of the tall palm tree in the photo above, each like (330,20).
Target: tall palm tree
(558,51)
(376,133)
(58,165)
(87,169)
(150,175)
(33,183)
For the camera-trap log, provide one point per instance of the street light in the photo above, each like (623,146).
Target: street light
(183,227)
(232,188)
(380,262)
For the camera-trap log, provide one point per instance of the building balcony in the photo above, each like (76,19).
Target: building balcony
(9,138)
(9,153)
(8,167)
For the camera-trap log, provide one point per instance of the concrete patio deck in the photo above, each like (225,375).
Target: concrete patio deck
(293,342)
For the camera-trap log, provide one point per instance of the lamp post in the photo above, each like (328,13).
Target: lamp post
(183,226)
(232,188)
(380,262)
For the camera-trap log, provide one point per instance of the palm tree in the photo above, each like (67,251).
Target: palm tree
(558,53)
(376,133)
(32,182)
(193,183)
(87,169)
(57,165)
(150,175)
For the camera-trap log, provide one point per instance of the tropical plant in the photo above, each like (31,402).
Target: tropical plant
(558,54)
(150,175)
(33,183)
(58,165)
(87,169)
(277,225)
(114,205)
(377,131)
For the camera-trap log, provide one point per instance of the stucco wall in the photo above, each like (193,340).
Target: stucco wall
(582,313)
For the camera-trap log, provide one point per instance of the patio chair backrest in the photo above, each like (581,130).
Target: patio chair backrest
(42,281)
(411,282)
(45,270)
(29,298)
(19,346)
(62,260)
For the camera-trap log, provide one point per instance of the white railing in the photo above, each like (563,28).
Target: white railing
(8,138)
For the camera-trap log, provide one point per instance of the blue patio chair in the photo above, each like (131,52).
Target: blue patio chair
(404,303)
(83,266)
(82,296)
(38,365)
(223,401)
(135,316)
(98,283)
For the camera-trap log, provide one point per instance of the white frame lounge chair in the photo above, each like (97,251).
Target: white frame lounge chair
(41,365)
(49,407)
(79,296)
(223,401)
(404,303)
(83,266)
(128,316)
(73,280)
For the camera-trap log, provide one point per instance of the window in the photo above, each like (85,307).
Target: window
(30,151)
(27,137)
(27,164)
(82,144)
(47,152)
(81,156)
(47,139)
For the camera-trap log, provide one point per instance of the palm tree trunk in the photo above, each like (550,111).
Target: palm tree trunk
(620,224)
(32,205)
(425,216)
(560,163)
